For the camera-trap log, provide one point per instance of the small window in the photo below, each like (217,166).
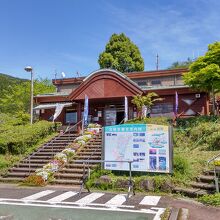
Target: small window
(155,82)
(71,117)
(142,83)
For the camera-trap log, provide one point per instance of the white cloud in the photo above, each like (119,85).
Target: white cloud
(174,31)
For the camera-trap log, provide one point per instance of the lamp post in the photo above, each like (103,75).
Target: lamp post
(30,69)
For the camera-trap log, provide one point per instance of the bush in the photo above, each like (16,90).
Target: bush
(34,180)
(182,169)
(194,121)
(156,120)
(17,139)
(213,200)
(207,135)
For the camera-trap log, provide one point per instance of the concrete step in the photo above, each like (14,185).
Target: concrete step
(73,170)
(47,153)
(205,186)
(22,169)
(191,192)
(22,165)
(41,157)
(56,144)
(79,165)
(11,179)
(68,176)
(17,174)
(94,157)
(206,178)
(49,150)
(67,182)
(90,153)
(54,147)
(34,161)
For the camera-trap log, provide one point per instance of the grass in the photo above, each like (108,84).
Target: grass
(191,153)
(8,160)
(213,200)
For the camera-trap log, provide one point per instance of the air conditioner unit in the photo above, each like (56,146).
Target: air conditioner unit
(197,95)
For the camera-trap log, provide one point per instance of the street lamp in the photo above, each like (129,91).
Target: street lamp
(30,69)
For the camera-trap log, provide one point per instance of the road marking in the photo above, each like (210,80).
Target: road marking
(150,200)
(89,198)
(117,200)
(38,195)
(62,197)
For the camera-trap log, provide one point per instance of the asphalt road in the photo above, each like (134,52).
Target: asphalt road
(68,196)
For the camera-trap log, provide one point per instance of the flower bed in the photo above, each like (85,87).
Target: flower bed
(94,128)
(66,155)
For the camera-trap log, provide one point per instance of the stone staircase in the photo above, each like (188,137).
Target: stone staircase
(72,173)
(204,184)
(39,158)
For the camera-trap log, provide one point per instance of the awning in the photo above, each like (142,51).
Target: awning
(54,105)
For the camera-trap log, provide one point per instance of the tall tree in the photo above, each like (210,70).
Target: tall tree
(121,54)
(16,98)
(204,73)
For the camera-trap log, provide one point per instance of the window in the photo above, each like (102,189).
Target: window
(142,83)
(71,117)
(162,108)
(155,82)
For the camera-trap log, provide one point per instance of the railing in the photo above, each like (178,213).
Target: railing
(216,175)
(85,177)
(69,128)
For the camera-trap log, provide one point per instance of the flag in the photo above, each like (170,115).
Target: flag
(58,110)
(126,109)
(86,111)
(176,103)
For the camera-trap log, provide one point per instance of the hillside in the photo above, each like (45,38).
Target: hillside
(6,81)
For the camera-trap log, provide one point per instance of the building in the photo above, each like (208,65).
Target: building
(106,90)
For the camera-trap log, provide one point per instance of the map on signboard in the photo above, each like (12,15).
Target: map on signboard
(147,146)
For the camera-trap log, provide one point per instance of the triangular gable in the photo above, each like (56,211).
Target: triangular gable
(105,83)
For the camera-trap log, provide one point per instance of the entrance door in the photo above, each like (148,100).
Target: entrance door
(110,116)
(119,117)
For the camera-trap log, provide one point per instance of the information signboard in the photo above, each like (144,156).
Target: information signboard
(149,146)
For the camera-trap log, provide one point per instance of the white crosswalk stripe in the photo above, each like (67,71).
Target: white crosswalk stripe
(117,200)
(89,198)
(38,195)
(150,200)
(63,196)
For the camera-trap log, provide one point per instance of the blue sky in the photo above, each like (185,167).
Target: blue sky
(68,35)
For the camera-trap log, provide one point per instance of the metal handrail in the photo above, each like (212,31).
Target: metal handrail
(216,179)
(130,185)
(50,142)
(212,159)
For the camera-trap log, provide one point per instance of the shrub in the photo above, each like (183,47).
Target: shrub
(181,165)
(17,139)
(213,200)
(156,120)
(34,180)
(194,121)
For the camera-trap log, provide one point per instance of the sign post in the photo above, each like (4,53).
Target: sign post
(85,113)
(148,146)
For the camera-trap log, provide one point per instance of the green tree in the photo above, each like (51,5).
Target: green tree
(145,101)
(204,73)
(16,98)
(121,54)
(181,64)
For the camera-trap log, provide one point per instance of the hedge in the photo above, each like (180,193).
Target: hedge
(17,139)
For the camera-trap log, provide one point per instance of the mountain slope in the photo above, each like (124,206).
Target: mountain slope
(6,81)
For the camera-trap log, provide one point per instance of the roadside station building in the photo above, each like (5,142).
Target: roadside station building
(106,90)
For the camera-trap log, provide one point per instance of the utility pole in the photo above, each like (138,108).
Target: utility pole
(30,69)
(157,62)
